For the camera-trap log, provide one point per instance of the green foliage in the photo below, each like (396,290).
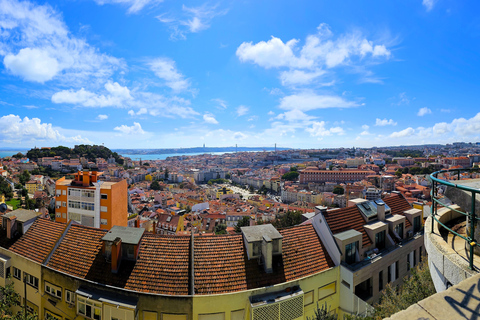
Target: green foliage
(289,219)
(244,222)
(155,185)
(228,176)
(10,299)
(323,313)
(24,177)
(291,176)
(294,169)
(15,203)
(83,150)
(219,180)
(220,229)
(415,288)
(338,190)
(18,156)
(404,153)
(398,173)
(6,189)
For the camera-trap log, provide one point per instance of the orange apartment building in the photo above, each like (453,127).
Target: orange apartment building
(91,202)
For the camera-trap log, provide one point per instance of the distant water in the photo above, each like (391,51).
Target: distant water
(166,155)
(4,154)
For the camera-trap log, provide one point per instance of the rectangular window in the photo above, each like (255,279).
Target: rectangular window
(399,230)
(416,224)
(53,290)
(31,280)
(351,252)
(69,296)
(17,273)
(58,192)
(414,258)
(52,316)
(212,316)
(308,298)
(237,314)
(64,204)
(396,270)
(380,240)
(104,196)
(103,209)
(420,254)
(380,281)
(327,290)
(64,192)
(408,261)
(89,308)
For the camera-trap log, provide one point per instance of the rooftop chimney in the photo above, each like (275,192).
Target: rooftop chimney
(381,211)
(11,227)
(267,253)
(116,254)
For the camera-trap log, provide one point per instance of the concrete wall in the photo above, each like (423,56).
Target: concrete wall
(446,266)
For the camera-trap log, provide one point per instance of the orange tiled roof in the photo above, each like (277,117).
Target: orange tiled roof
(77,251)
(39,242)
(398,204)
(346,219)
(162,265)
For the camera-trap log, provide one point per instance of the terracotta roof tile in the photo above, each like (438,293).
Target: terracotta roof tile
(77,251)
(346,219)
(162,265)
(39,242)
(398,204)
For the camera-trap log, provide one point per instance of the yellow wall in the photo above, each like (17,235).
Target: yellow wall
(226,303)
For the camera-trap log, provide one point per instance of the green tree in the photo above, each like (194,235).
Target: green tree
(244,222)
(155,185)
(338,190)
(289,219)
(220,229)
(10,299)
(6,189)
(24,177)
(291,176)
(398,173)
(228,176)
(323,313)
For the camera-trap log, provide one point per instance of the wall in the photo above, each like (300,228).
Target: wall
(119,203)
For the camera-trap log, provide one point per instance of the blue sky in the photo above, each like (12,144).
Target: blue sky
(302,74)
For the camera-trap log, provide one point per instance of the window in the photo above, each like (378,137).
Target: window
(399,230)
(69,296)
(351,252)
(380,240)
(393,272)
(53,290)
(149,315)
(396,270)
(64,192)
(420,254)
(64,204)
(238,314)
(51,316)
(103,196)
(17,273)
(380,281)
(416,224)
(89,308)
(414,258)
(327,290)
(408,261)
(212,316)
(31,280)
(59,192)
(308,298)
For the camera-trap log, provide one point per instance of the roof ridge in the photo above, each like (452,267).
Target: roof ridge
(57,243)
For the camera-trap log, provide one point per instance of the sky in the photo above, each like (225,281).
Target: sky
(301,74)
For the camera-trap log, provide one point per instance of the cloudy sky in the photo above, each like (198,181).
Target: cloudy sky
(302,74)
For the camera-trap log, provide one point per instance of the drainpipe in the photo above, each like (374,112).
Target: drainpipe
(96,218)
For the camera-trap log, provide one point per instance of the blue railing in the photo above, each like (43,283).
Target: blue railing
(436,181)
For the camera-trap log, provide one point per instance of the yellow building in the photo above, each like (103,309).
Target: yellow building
(219,192)
(127,273)
(33,185)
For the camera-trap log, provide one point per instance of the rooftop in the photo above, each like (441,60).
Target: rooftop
(22,215)
(256,233)
(128,235)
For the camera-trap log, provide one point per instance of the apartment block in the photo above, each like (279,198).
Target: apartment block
(91,202)
(337,176)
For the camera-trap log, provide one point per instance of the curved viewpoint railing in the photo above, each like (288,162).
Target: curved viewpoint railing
(436,181)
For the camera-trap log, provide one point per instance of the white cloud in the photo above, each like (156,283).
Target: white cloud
(18,131)
(385,122)
(242,110)
(365,131)
(37,46)
(467,127)
(429,4)
(294,115)
(365,127)
(158,105)
(135,129)
(32,65)
(272,54)
(134,6)
(441,128)
(116,96)
(445,110)
(306,101)
(210,118)
(131,112)
(222,104)
(165,69)
(102,117)
(239,136)
(404,133)
(318,129)
(299,77)
(194,19)
(423,111)
(271,113)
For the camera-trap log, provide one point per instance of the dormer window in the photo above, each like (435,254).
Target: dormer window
(351,250)
(399,230)
(380,240)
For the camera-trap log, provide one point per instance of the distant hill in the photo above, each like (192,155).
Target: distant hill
(194,150)
(83,150)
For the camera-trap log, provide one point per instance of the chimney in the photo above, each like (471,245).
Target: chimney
(116,254)
(267,253)
(154,227)
(86,178)
(381,211)
(10,226)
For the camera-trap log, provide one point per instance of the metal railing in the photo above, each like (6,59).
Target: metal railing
(436,181)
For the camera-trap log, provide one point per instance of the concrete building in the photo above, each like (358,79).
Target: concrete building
(337,176)
(91,202)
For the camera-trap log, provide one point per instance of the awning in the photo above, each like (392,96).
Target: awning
(107,297)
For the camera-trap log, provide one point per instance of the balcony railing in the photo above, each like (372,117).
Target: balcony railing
(472,216)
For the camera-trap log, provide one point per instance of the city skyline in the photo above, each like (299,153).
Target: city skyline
(159,74)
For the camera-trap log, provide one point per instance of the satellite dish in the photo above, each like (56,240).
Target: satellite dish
(3,208)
